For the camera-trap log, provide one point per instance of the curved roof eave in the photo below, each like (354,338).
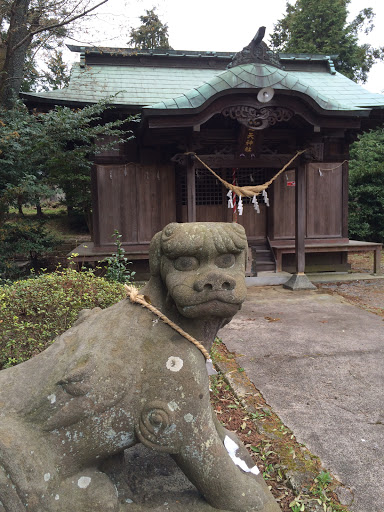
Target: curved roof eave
(332,93)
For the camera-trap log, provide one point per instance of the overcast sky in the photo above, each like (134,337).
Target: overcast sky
(216,25)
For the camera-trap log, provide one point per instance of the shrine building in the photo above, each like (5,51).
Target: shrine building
(280,124)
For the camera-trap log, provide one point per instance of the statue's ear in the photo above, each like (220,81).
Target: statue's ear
(155,254)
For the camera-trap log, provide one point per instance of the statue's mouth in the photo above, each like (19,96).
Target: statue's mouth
(214,307)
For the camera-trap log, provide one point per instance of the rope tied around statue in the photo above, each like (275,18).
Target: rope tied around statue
(249,190)
(135,297)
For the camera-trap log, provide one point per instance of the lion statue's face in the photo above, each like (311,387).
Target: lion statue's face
(202,266)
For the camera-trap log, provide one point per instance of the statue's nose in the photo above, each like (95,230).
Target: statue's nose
(214,282)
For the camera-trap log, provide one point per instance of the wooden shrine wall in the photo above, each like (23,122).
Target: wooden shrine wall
(324,200)
(283,206)
(326,194)
(136,200)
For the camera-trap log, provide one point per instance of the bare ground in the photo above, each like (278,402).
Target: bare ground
(367,294)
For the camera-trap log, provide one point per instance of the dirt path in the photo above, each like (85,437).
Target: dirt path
(368,295)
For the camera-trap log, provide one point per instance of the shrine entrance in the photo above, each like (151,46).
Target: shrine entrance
(213,204)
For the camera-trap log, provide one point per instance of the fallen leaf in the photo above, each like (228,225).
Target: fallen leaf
(271,319)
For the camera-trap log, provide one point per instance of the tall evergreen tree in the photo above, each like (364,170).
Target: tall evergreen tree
(313,26)
(57,74)
(152,33)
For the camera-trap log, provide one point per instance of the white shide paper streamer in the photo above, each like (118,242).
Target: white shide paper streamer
(230,199)
(240,206)
(255,204)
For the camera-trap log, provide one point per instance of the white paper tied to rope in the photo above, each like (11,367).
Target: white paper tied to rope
(232,448)
(255,204)
(230,199)
(240,206)
(210,368)
(265,195)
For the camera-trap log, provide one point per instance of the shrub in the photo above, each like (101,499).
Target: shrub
(33,312)
(23,239)
(117,263)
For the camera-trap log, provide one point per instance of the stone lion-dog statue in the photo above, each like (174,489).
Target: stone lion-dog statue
(120,376)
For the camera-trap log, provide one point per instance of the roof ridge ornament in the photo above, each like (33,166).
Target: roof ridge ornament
(256,51)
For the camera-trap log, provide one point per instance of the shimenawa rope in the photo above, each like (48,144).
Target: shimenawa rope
(248,191)
(134,296)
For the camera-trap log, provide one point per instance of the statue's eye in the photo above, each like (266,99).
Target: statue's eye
(225,260)
(185,263)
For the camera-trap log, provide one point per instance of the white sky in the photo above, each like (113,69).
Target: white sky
(216,25)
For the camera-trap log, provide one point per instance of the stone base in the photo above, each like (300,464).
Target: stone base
(299,282)
(151,481)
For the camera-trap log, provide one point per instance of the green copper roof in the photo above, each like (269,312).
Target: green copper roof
(332,92)
(166,87)
(133,85)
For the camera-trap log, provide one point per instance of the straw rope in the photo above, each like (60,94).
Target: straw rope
(333,168)
(135,297)
(248,191)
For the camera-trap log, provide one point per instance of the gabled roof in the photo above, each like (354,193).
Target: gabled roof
(169,80)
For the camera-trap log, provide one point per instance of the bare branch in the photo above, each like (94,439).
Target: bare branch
(56,25)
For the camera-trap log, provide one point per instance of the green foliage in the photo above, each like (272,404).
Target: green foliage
(26,239)
(29,191)
(324,478)
(57,74)
(151,34)
(117,264)
(317,496)
(56,148)
(310,26)
(33,312)
(366,187)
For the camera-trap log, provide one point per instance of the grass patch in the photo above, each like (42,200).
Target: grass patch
(57,222)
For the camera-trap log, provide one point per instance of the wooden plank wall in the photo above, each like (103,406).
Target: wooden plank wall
(283,207)
(136,200)
(324,200)
(325,195)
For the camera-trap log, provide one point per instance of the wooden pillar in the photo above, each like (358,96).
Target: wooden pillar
(300,218)
(300,281)
(191,191)
(95,207)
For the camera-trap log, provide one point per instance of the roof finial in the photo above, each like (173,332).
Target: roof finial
(256,51)
(259,36)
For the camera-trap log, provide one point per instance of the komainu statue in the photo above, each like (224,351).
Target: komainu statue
(121,376)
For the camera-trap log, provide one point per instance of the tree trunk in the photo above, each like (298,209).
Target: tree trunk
(20,205)
(11,75)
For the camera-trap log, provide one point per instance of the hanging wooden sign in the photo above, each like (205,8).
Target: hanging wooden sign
(249,143)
